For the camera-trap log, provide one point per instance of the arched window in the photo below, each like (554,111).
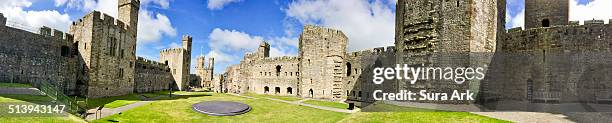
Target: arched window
(545,23)
(310,93)
(276,90)
(348,69)
(289,90)
(266,89)
(278,69)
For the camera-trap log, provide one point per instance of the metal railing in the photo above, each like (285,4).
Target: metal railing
(60,97)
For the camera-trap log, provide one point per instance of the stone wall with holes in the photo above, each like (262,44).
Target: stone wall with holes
(359,66)
(451,33)
(562,63)
(152,76)
(46,56)
(321,52)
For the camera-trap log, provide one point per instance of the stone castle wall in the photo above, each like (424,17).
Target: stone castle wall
(551,12)
(358,71)
(321,53)
(107,49)
(204,72)
(179,59)
(152,76)
(48,56)
(558,64)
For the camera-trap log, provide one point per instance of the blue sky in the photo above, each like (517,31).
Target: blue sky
(226,29)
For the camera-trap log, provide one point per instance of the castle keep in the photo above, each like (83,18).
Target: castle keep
(97,58)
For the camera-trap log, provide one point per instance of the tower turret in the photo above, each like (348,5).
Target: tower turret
(264,50)
(128,13)
(187,42)
(546,13)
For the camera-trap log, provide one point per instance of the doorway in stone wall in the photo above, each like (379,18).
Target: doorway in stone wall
(266,89)
(289,90)
(277,90)
(310,93)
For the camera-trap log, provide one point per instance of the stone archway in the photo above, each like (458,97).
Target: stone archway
(289,90)
(277,90)
(266,90)
(310,93)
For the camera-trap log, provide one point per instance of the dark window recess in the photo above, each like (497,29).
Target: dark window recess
(65,51)
(545,23)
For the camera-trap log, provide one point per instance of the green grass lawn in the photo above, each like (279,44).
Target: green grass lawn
(14,85)
(6,98)
(263,110)
(111,102)
(327,104)
(391,113)
(286,98)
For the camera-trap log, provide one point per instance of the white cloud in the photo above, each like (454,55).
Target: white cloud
(233,40)
(367,24)
(31,20)
(152,26)
(219,4)
(175,45)
(221,57)
(516,21)
(165,4)
(596,9)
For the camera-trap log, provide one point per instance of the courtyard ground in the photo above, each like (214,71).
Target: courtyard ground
(266,110)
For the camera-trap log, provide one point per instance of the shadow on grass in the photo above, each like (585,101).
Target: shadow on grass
(118,101)
(37,99)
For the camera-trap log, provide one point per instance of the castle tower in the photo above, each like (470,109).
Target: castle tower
(2,20)
(264,50)
(200,62)
(128,14)
(321,51)
(187,42)
(436,33)
(546,13)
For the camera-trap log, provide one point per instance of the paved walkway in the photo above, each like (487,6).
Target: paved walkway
(91,113)
(300,102)
(111,111)
(527,117)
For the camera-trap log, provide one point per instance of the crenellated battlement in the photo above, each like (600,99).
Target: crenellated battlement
(103,18)
(282,58)
(172,50)
(318,30)
(572,24)
(56,34)
(140,61)
(378,50)
(590,35)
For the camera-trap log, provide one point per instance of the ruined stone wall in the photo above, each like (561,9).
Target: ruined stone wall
(277,76)
(108,52)
(556,64)
(204,72)
(179,60)
(359,66)
(152,76)
(446,34)
(545,13)
(48,56)
(321,53)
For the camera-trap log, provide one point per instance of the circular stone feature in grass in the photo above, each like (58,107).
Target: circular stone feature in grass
(221,108)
